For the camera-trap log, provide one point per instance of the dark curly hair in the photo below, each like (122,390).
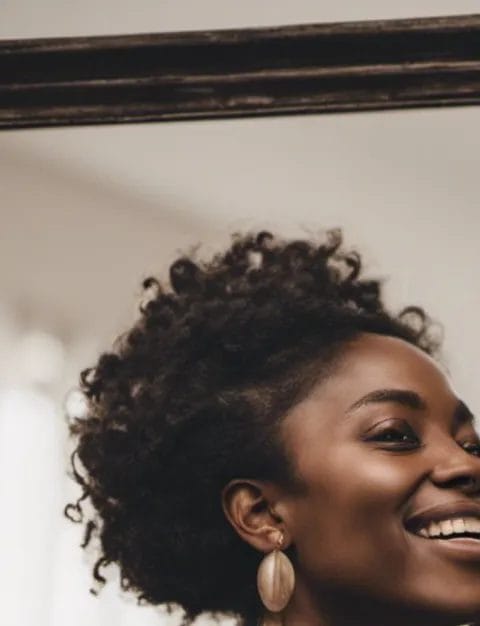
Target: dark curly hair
(191,397)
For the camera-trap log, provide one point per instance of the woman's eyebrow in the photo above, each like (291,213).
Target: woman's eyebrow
(405,397)
(410,399)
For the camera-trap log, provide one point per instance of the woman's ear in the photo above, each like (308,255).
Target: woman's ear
(249,506)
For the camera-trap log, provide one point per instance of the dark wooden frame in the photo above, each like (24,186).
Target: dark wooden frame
(352,66)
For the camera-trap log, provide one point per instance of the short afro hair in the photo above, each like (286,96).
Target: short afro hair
(191,397)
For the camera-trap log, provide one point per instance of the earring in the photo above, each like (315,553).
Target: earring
(276,579)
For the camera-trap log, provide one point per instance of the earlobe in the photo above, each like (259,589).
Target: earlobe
(250,508)
(247,506)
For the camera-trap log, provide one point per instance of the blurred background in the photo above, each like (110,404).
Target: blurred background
(87,213)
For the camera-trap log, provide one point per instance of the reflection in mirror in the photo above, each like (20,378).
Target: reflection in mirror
(87,213)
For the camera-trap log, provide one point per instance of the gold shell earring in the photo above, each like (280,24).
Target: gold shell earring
(275,582)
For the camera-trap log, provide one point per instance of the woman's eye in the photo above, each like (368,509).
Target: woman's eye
(472,447)
(396,437)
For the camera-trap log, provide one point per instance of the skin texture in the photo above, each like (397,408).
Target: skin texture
(355,562)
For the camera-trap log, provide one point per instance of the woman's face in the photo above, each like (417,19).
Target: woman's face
(385,448)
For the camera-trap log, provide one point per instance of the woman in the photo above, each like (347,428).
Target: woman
(269,442)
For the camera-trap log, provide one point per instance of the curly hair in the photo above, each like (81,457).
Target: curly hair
(192,397)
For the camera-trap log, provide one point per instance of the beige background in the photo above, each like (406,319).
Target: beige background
(86,213)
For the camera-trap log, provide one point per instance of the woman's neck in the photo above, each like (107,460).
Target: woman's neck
(328,609)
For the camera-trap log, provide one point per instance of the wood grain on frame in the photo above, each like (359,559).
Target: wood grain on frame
(317,68)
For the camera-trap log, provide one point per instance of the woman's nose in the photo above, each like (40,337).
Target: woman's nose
(455,468)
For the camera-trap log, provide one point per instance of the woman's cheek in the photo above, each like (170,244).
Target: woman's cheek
(385,476)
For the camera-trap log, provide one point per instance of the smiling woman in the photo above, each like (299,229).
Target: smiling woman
(270,442)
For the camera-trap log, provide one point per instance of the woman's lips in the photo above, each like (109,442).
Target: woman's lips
(442,511)
(463,548)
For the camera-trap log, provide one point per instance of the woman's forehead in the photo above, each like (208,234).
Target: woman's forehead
(373,363)
(371,358)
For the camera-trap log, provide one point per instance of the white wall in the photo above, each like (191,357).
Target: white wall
(54,18)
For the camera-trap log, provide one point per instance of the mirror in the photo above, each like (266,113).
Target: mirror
(88,212)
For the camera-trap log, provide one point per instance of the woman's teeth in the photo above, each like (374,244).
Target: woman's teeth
(447,528)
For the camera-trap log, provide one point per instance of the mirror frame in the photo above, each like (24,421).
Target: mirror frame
(312,68)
